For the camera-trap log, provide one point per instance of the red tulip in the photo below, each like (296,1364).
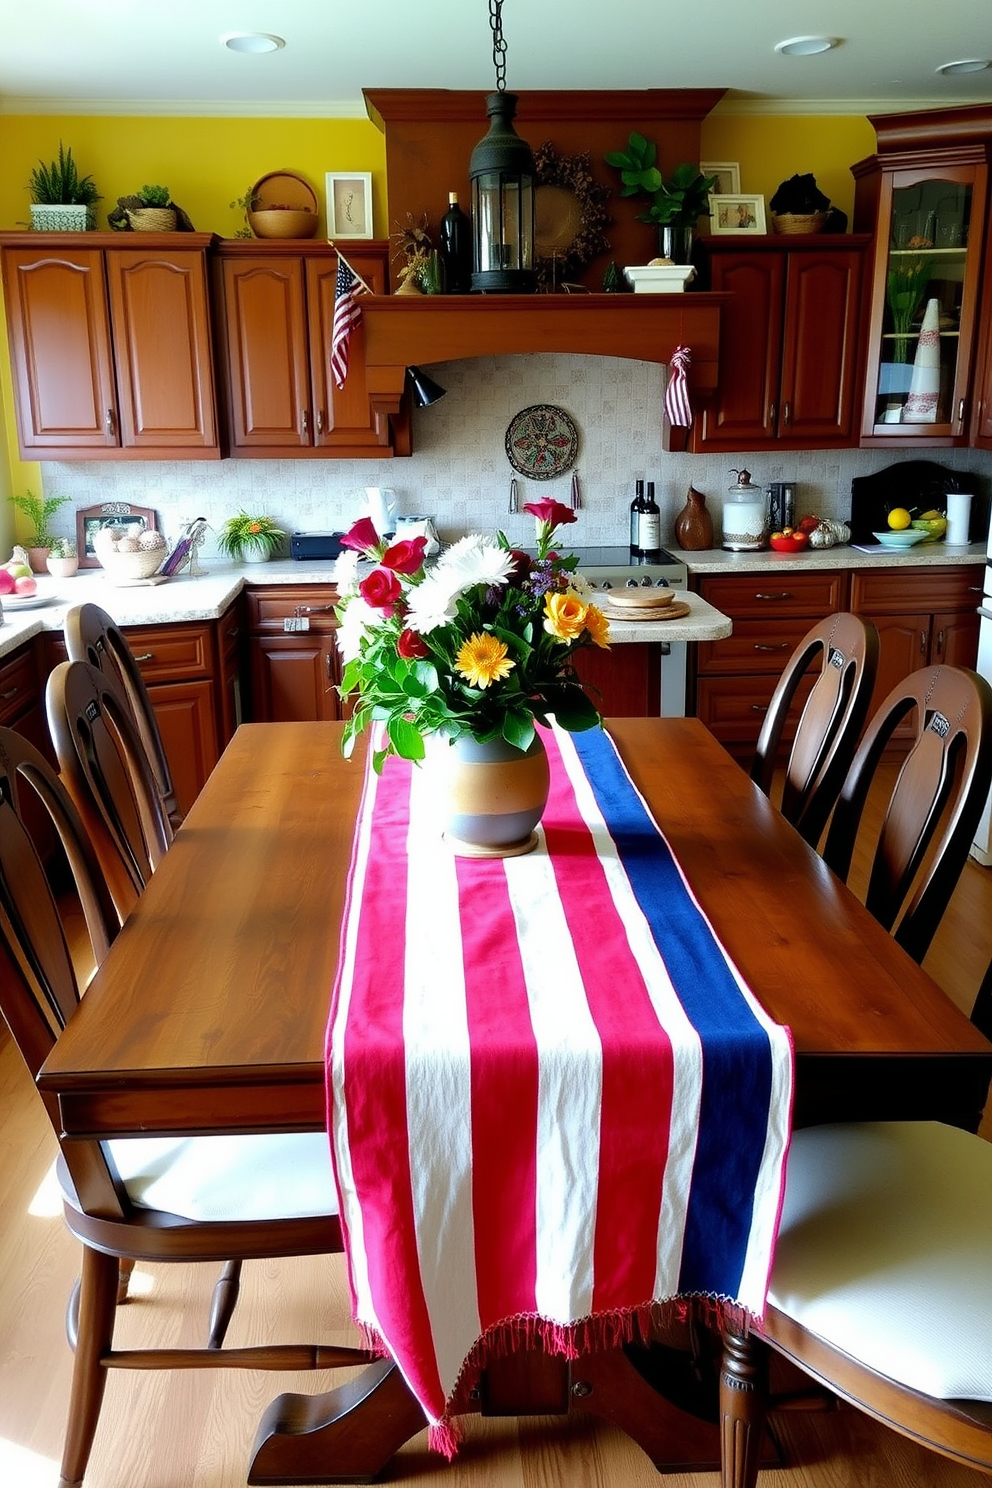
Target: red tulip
(551,513)
(363,537)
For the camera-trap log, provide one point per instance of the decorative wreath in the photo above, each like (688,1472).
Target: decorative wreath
(572,174)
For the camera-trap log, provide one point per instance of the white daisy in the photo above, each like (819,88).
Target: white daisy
(344,574)
(433,602)
(354,618)
(581,586)
(477,560)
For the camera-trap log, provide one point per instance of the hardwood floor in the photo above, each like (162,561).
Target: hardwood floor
(194,1429)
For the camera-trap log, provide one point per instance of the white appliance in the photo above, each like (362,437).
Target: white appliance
(982,848)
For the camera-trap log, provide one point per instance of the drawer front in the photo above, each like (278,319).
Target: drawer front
(18,687)
(756,646)
(752,595)
(734,709)
(167,653)
(269,606)
(910,590)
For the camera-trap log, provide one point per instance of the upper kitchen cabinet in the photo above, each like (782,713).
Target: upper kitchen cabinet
(925,194)
(788,342)
(110,345)
(275,303)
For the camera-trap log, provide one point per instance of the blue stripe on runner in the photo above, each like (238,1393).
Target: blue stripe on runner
(737,1064)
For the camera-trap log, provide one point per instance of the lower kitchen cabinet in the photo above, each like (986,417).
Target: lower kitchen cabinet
(293,673)
(624,682)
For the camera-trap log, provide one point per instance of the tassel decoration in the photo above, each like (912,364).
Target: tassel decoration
(514,498)
(576,493)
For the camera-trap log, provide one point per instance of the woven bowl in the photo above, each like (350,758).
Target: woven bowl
(127,567)
(283,223)
(152,219)
(285,206)
(797,223)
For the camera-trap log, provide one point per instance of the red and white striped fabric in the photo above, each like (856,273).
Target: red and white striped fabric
(677,405)
(522,1136)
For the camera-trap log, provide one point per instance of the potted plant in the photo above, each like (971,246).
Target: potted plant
(39,511)
(676,204)
(250,539)
(156,212)
(61,199)
(62,560)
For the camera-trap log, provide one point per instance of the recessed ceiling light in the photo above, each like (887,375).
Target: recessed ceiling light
(971,64)
(806,46)
(253,41)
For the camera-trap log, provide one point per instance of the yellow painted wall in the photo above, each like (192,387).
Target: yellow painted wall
(770,149)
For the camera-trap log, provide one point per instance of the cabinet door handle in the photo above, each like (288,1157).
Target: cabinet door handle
(940,643)
(780,646)
(109,424)
(961,411)
(759,707)
(6,696)
(329,661)
(786,413)
(320,421)
(784,595)
(773,413)
(146,656)
(923,644)
(232,635)
(975,589)
(304,421)
(313,610)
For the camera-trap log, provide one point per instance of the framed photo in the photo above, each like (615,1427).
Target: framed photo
(90,519)
(737,214)
(349,204)
(728,176)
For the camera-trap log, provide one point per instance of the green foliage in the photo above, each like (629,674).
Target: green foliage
(244,532)
(39,512)
(678,201)
(60,184)
(154,196)
(63,547)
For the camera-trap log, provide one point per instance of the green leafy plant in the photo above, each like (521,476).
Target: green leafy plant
(60,184)
(478,645)
(678,202)
(63,547)
(240,534)
(39,511)
(154,196)
(245,204)
(905,284)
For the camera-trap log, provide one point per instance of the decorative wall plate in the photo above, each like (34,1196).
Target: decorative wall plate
(542,442)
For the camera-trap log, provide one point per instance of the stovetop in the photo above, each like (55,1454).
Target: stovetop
(613,568)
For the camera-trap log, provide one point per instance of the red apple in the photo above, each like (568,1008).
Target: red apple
(25,586)
(6,582)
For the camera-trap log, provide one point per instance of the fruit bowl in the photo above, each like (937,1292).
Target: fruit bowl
(908,538)
(789,542)
(933,527)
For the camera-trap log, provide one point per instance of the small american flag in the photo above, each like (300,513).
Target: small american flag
(677,392)
(347,315)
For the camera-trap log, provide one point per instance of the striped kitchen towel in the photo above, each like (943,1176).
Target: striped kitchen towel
(553,1103)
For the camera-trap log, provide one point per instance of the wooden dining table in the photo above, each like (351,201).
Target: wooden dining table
(209,1016)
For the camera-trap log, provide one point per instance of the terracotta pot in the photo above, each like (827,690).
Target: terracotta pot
(62,568)
(38,559)
(494,796)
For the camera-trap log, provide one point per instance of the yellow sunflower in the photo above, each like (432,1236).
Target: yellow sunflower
(483,659)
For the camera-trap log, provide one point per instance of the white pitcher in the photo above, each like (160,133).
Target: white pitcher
(382,509)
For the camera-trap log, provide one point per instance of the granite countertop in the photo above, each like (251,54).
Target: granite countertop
(923,555)
(207,597)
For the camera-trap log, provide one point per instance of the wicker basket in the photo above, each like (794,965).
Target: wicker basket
(799,223)
(285,206)
(126,567)
(152,219)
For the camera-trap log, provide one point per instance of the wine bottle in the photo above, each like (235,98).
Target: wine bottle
(455,238)
(650,528)
(636,508)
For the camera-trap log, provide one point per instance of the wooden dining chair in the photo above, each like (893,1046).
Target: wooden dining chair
(109,777)
(845,649)
(151,1199)
(881,1290)
(934,807)
(94,636)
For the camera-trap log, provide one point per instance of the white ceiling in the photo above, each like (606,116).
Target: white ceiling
(131,56)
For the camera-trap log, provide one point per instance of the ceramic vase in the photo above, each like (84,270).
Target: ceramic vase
(62,568)
(493,796)
(38,559)
(255,555)
(694,525)
(675,242)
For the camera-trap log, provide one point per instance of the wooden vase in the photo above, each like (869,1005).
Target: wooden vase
(494,796)
(694,525)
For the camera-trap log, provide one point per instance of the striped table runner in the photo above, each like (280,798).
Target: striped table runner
(553,1103)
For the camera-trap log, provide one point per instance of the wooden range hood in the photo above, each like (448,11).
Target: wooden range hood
(429,138)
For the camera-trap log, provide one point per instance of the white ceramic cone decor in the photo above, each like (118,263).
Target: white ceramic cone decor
(921,405)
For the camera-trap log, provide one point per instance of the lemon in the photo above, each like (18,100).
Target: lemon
(899,519)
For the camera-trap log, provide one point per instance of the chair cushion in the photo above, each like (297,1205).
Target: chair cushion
(275,1176)
(885,1251)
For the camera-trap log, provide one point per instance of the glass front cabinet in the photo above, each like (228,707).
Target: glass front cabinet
(925,195)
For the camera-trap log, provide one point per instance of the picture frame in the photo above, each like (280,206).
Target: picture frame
(91,519)
(739,214)
(349,204)
(728,176)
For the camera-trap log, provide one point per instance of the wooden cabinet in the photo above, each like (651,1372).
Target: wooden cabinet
(110,345)
(923,616)
(276,314)
(294,672)
(925,195)
(624,682)
(788,343)
(735,678)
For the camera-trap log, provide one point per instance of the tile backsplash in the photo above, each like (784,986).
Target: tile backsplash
(460,475)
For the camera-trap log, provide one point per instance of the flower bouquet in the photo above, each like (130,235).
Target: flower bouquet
(478,645)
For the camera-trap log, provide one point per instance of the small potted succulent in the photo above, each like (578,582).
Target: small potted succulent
(62,559)
(61,199)
(249,539)
(156,212)
(39,511)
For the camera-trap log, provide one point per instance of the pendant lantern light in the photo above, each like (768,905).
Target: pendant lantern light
(501,173)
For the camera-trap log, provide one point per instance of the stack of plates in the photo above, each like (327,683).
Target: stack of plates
(644,604)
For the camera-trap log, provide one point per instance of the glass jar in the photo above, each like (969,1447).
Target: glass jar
(744,515)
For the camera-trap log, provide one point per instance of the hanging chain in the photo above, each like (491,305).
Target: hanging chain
(499,45)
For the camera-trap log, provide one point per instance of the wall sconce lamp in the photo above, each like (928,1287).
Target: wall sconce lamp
(424,389)
(501,175)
